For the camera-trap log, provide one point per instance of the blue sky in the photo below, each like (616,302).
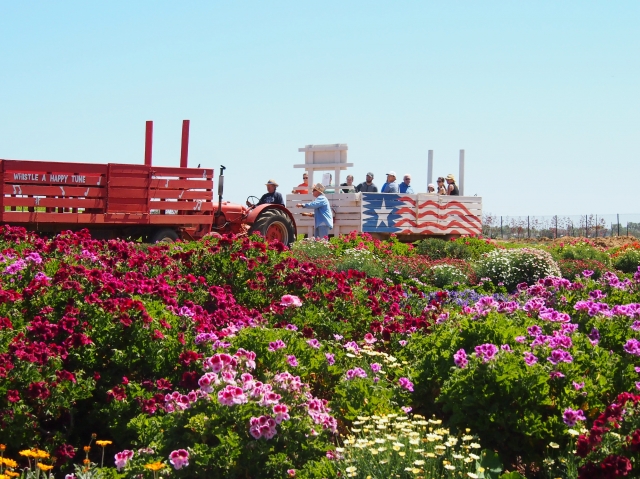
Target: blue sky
(543,96)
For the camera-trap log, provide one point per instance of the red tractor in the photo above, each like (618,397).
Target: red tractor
(131,201)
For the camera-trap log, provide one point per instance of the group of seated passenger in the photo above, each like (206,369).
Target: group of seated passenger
(390,186)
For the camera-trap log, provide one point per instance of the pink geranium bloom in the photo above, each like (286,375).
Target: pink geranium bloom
(289,300)
(369,338)
(179,458)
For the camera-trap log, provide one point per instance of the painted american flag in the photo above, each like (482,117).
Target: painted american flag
(420,214)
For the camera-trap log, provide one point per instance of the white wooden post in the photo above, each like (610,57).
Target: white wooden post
(461,174)
(430,168)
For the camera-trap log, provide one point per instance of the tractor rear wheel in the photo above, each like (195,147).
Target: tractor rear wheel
(165,235)
(275,224)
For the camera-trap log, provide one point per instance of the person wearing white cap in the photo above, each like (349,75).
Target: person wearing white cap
(323,217)
(431,189)
(405,186)
(390,186)
(271,196)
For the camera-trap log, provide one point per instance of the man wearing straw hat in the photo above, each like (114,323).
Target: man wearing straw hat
(322,216)
(271,196)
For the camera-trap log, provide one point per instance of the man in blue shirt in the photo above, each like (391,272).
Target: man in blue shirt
(405,186)
(323,216)
(271,196)
(390,186)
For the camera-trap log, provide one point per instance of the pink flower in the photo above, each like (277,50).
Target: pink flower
(179,458)
(293,362)
(375,367)
(578,386)
(289,300)
(231,396)
(314,343)
(122,458)
(460,358)
(571,417)
(291,472)
(369,339)
(281,412)
(402,342)
(406,409)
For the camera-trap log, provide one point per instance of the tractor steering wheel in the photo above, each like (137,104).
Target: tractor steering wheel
(252,204)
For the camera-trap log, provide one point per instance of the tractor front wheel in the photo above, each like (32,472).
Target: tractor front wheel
(275,224)
(165,235)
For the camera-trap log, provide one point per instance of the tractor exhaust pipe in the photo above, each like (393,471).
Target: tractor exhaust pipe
(220,189)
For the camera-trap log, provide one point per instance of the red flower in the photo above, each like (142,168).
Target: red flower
(188,357)
(118,393)
(163,384)
(65,452)
(13,395)
(39,390)
(66,376)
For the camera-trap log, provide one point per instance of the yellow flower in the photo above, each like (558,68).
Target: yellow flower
(41,454)
(9,462)
(27,453)
(401,453)
(44,467)
(351,469)
(2,476)
(155,466)
(103,443)
(11,474)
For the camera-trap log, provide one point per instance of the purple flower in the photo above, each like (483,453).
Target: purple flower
(402,342)
(179,458)
(460,358)
(405,383)
(571,417)
(442,318)
(558,356)
(337,337)
(637,369)
(291,327)
(353,346)
(520,339)
(636,325)
(568,328)
(638,385)
(556,374)
(356,373)
(506,347)
(330,358)
(632,347)
(406,409)
(375,367)
(293,362)
(530,359)
(486,352)
(587,273)
(597,294)
(594,336)
(578,386)
(314,343)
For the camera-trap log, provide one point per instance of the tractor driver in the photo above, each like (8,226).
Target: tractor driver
(271,196)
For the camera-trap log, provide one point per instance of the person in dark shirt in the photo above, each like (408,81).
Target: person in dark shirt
(367,186)
(349,184)
(452,188)
(271,196)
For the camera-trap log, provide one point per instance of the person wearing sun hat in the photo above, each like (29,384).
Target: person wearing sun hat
(271,196)
(323,217)
(452,188)
(390,186)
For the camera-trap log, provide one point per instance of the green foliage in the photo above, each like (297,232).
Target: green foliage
(581,251)
(436,248)
(511,267)
(570,268)
(361,260)
(627,261)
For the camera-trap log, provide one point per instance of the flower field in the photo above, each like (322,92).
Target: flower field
(238,358)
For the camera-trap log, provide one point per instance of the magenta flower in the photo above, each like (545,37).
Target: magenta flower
(632,347)
(231,396)
(291,327)
(506,348)
(442,318)
(635,326)
(578,386)
(289,300)
(375,367)
(281,412)
(520,339)
(314,343)
(594,336)
(330,358)
(571,417)
(559,356)
(406,384)
(587,273)
(556,374)
(530,359)
(179,458)
(263,426)
(534,330)
(638,385)
(406,409)
(293,362)
(460,358)
(275,345)
(122,458)
(486,352)
(402,342)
